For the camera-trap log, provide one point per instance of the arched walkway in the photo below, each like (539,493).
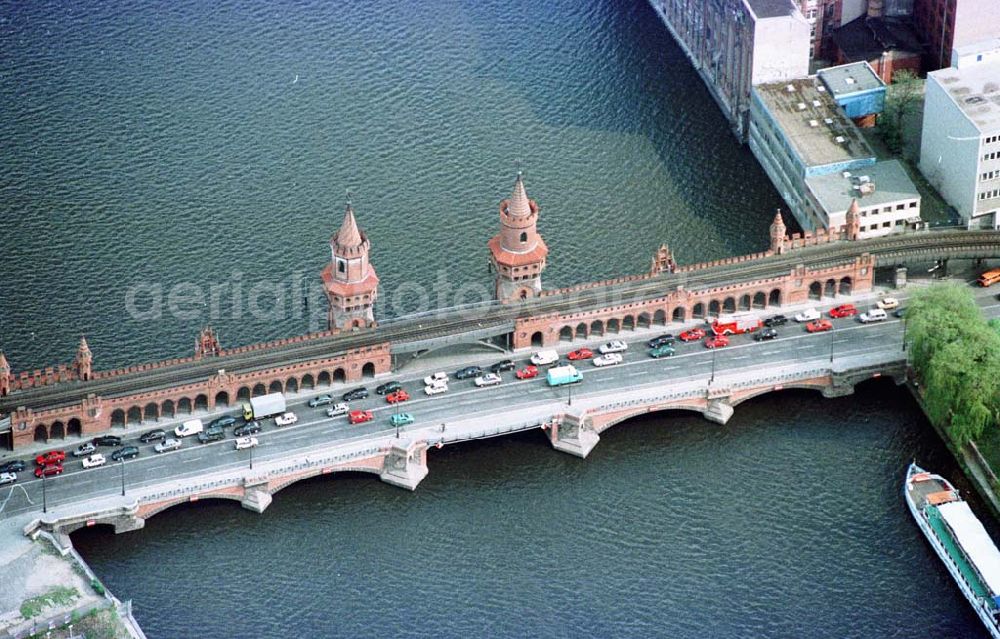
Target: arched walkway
(581,330)
(324,378)
(698,310)
(759,300)
(678,315)
(308,381)
(259,389)
(845,286)
(536,338)
(340,375)
(628,323)
(729,306)
(613,326)
(167,409)
(243,393)
(774,298)
(745,302)
(41,433)
(276,387)
(815,291)
(368,371)
(184,405)
(596,328)
(152,411)
(660,317)
(291,385)
(134,416)
(117,417)
(57,431)
(221,399)
(643,320)
(566,334)
(73,427)
(201,402)
(713,308)
(831,288)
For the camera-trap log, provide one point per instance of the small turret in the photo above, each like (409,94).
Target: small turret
(84,360)
(4,375)
(853,226)
(207,343)
(663,261)
(349,279)
(518,252)
(778,234)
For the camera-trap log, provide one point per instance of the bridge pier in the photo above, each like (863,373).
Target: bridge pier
(718,410)
(899,279)
(406,464)
(575,434)
(256,497)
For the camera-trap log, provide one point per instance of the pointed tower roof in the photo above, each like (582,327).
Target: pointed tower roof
(348,235)
(83,348)
(779,222)
(519,206)
(4,365)
(853,210)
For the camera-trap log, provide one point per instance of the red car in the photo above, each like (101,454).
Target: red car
(844,310)
(717,342)
(692,335)
(48,470)
(819,326)
(398,396)
(527,372)
(580,353)
(51,457)
(360,416)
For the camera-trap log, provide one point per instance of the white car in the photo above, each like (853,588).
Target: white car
(435,389)
(608,359)
(614,346)
(888,303)
(84,449)
(167,444)
(7,478)
(808,315)
(337,410)
(286,420)
(489,379)
(95,460)
(246,442)
(436,378)
(873,315)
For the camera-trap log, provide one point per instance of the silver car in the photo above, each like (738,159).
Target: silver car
(84,449)
(7,478)
(167,444)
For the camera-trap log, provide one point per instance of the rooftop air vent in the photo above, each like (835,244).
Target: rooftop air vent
(816,103)
(828,120)
(802,106)
(813,123)
(846,174)
(849,80)
(790,88)
(840,139)
(974,99)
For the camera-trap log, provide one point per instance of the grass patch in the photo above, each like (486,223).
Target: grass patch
(988,444)
(58,596)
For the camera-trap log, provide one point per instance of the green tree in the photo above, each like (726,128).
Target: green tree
(902,97)
(937,316)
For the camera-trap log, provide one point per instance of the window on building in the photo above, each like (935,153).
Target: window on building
(524,237)
(900,207)
(886,225)
(913,205)
(341,266)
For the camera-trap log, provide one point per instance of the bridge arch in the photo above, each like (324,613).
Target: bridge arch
(628,323)
(291,385)
(729,305)
(745,302)
(74,427)
(133,416)
(243,393)
(613,326)
(276,387)
(774,297)
(184,405)
(698,311)
(258,390)
(117,417)
(284,483)
(566,334)
(830,290)
(201,402)
(308,381)
(537,339)
(340,375)
(57,430)
(846,284)
(41,433)
(167,408)
(601,424)
(156,509)
(815,290)
(643,320)
(151,411)
(324,378)
(581,330)
(714,308)
(597,327)
(221,399)
(759,300)
(660,317)
(368,370)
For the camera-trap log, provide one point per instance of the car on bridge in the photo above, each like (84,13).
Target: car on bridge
(108,440)
(580,353)
(692,335)
(48,470)
(95,460)
(84,449)
(901,312)
(545,358)
(717,341)
(355,395)
(337,410)
(212,434)
(844,310)
(489,379)
(663,350)
(436,378)
(222,422)
(360,416)
(13,466)
(322,400)
(51,457)
(7,478)
(468,371)
(153,436)
(397,397)
(286,420)
(873,315)
(528,372)
(614,346)
(128,452)
(608,359)
(777,320)
(246,442)
(657,342)
(435,389)
(167,444)
(765,333)
(502,366)
(388,387)
(808,315)
(819,326)
(249,428)
(401,419)
(888,303)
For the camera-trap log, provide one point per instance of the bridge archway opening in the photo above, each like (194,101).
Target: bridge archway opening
(201,402)
(184,405)
(566,334)
(340,375)
(243,393)
(324,378)
(41,433)
(537,338)
(221,399)
(258,390)
(713,308)
(368,370)
(643,321)
(117,417)
(133,416)
(745,302)
(830,290)
(596,328)
(678,315)
(291,385)
(628,323)
(759,300)
(581,330)
(774,298)
(308,381)
(276,387)
(57,431)
(698,311)
(613,326)
(660,317)
(815,291)
(729,305)
(167,409)
(74,427)
(845,285)
(152,411)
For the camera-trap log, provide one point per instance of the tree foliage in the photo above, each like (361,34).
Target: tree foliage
(902,97)
(957,355)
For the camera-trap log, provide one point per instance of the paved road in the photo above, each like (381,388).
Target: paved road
(691,362)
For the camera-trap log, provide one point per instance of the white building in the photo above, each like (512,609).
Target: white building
(960,143)
(887,200)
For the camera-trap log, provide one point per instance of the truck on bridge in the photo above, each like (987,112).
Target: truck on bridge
(561,375)
(264,406)
(735,324)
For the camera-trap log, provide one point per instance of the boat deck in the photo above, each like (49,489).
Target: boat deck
(928,490)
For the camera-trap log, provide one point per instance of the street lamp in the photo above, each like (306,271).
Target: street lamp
(45,507)
(569,399)
(396,419)
(122,462)
(904,332)
(251,457)
(831,347)
(712,379)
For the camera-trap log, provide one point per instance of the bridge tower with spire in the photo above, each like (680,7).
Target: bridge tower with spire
(349,280)
(4,375)
(517,253)
(84,361)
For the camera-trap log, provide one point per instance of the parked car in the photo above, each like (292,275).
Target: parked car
(717,341)
(167,444)
(888,303)
(545,358)
(614,346)
(245,442)
(322,400)
(873,315)
(844,310)
(505,365)
(84,449)
(355,395)
(435,389)
(398,396)
(818,326)
(95,460)
(49,470)
(108,440)
(808,315)
(401,419)
(337,410)
(360,416)
(580,353)
(153,436)
(468,371)
(51,457)
(249,428)
(657,342)
(777,320)
(286,420)
(527,372)
(388,387)
(489,379)
(13,466)
(663,350)
(901,311)
(222,422)
(7,478)
(608,359)
(765,333)
(436,378)
(692,335)
(128,452)
(212,434)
